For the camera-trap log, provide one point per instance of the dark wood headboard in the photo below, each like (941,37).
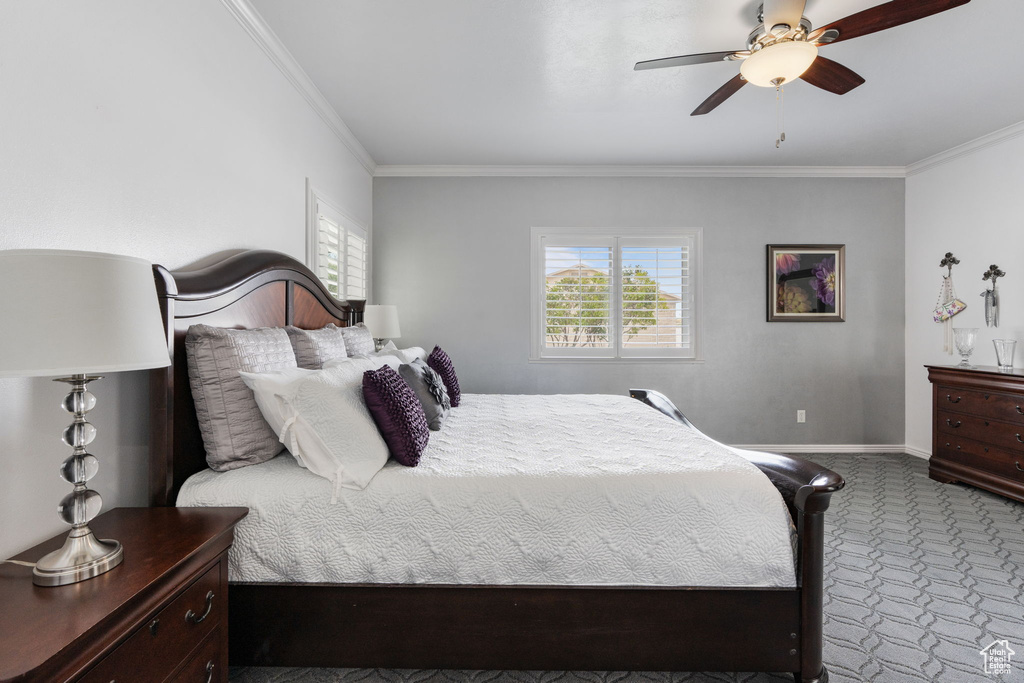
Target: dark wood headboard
(243,291)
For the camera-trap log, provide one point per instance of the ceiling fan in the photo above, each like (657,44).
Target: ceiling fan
(784,47)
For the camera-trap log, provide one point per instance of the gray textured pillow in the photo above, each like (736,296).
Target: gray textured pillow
(358,340)
(430,390)
(314,348)
(234,431)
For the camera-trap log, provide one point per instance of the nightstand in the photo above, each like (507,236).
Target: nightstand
(160,616)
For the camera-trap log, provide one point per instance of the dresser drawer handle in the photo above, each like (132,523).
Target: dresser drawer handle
(1019,439)
(1019,411)
(191,617)
(954,426)
(949,397)
(209,671)
(1019,468)
(153,626)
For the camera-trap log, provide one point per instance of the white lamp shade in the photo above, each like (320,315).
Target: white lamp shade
(785,61)
(77,312)
(382,321)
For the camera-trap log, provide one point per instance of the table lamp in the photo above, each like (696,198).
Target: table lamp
(74,314)
(382,321)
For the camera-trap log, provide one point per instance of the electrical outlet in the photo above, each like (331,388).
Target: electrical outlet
(801,416)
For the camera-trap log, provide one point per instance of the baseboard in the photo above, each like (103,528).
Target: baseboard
(836,448)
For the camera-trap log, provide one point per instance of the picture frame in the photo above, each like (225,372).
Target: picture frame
(807,283)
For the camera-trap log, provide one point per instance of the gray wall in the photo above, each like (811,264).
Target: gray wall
(453,254)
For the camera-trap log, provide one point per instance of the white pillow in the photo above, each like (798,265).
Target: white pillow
(404,356)
(266,386)
(324,421)
(379,360)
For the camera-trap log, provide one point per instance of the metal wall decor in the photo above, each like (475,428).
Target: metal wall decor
(992,296)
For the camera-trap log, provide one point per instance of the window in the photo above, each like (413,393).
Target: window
(337,249)
(613,294)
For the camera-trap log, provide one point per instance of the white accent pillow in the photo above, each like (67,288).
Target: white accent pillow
(267,387)
(324,421)
(405,356)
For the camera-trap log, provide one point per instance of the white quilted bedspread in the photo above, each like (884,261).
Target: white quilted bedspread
(582,490)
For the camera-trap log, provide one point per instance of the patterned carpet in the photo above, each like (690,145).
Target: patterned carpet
(919,577)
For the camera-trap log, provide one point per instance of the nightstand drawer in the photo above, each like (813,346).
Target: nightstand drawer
(206,665)
(996,406)
(154,651)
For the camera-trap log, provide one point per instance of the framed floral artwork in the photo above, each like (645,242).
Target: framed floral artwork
(806,283)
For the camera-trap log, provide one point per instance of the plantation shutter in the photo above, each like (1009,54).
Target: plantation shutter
(579,303)
(341,255)
(656,296)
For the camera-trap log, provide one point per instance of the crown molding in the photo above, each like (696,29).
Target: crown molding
(583,171)
(971,147)
(267,40)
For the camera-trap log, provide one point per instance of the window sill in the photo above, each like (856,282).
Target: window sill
(617,361)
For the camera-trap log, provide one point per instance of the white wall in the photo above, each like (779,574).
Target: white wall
(970,206)
(153,129)
(453,255)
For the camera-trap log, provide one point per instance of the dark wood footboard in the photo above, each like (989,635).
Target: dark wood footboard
(807,488)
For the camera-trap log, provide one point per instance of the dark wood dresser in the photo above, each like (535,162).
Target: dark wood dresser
(978,428)
(160,616)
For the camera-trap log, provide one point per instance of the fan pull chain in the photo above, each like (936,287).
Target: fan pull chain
(780,114)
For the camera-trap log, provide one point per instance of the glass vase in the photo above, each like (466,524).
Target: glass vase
(964,338)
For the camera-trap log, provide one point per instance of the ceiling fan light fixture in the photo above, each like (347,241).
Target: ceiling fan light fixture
(779,63)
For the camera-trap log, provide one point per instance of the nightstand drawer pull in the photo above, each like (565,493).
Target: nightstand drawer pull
(950,398)
(153,626)
(1019,411)
(954,426)
(191,617)
(1018,438)
(1019,468)
(209,671)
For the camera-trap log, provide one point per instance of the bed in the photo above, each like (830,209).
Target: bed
(563,614)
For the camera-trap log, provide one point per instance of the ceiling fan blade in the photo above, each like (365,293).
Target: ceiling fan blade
(686,60)
(831,76)
(788,12)
(886,16)
(720,95)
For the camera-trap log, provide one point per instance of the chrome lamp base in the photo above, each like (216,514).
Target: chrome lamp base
(83,556)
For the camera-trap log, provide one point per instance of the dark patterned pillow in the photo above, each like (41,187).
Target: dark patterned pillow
(443,365)
(398,414)
(430,390)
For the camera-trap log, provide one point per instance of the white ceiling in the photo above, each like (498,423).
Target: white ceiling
(501,82)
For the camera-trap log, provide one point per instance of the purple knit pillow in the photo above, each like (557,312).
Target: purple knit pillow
(443,366)
(398,414)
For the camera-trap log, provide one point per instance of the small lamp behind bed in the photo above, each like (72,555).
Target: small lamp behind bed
(382,321)
(78,313)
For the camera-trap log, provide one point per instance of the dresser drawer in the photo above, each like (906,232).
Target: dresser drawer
(154,651)
(208,664)
(1005,407)
(981,456)
(999,434)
